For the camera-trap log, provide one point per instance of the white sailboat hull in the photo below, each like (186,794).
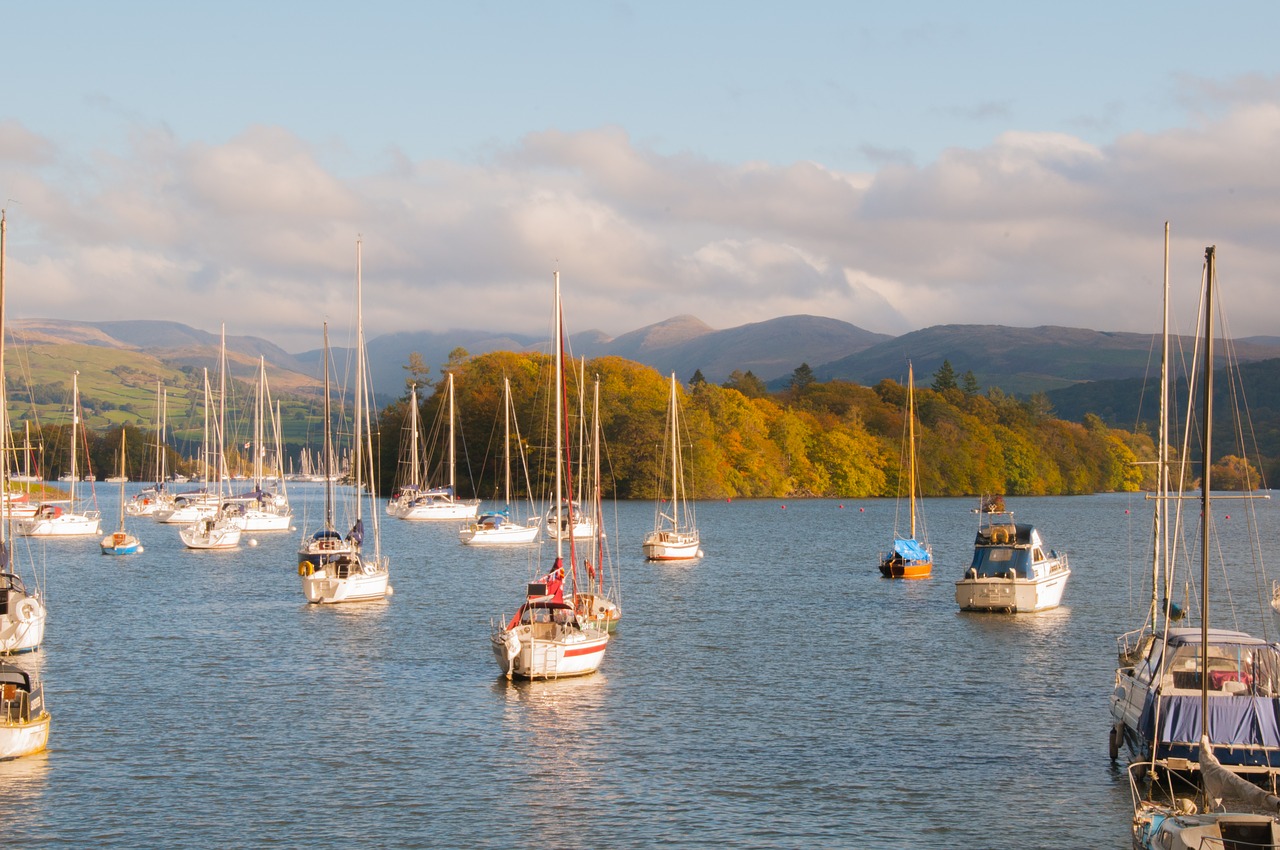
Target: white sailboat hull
(672,545)
(22,629)
(187,514)
(1014,596)
(263,521)
(337,582)
(143,508)
(438,511)
(507,534)
(210,535)
(563,653)
(583,529)
(65,525)
(23,739)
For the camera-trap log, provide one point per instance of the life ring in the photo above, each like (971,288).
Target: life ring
(306,568)
(999,534)
(28,610)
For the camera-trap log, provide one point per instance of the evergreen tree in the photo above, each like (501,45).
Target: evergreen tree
(969,383)
(746,383)
(697,378)
(801,378)
(418,371)
(945,377)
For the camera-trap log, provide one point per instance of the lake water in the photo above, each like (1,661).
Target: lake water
(777,693)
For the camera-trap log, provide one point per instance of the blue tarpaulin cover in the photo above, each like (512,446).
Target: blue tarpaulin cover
(1233,720)
(910,550)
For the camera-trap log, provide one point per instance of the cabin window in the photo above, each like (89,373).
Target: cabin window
(1001,554)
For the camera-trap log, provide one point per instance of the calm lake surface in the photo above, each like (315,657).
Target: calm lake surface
(776,693)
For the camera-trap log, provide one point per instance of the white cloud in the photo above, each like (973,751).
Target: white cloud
(258,231)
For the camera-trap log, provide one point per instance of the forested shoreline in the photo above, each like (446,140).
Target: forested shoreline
(810,439)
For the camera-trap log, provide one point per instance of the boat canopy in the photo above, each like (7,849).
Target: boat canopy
(996,554)
(910,550)
(11,674)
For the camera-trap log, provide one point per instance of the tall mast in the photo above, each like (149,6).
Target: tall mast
(1160,547)
(506,440)
(413,448)
(222,412)
(4,400)
(259,447)
(583,484)
(159,436)
(596,509)
(75,417)
(204,440)
(911,446)
(359,432)
(1206,463)
(675,459)
(328,441)
(453,488)
(558,389)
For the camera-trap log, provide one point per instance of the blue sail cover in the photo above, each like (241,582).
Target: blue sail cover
(1235,724)
(910,550)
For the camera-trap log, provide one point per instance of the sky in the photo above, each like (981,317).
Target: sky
(896,166)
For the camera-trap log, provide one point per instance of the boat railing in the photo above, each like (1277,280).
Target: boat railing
(1130,646)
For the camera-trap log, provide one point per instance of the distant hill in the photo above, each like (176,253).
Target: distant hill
(683,344)
(1134,403)
(1019,361)
(768,349)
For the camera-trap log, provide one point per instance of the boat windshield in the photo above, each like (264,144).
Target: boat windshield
(1233,667)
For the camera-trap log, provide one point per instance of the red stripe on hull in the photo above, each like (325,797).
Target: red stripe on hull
(586,650)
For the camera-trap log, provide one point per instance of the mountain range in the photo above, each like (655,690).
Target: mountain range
(1017,360)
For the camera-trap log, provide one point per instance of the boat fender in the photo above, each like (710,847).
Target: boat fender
(512,640)
(28,609)
(1113,741)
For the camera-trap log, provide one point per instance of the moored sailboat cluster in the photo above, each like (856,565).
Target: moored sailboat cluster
(24,718)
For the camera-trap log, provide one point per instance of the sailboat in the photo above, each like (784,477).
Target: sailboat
(597,603)
(51,520)
(22,612)
(1230,700)
(151,499)
(201,503)
(910,557)
(218,531)
(121,542)
(494,528)
(24,721)
(334,568)
(1175,685)
(1236,814)
(260,509)
(415,501)
(547,638)
(675,535)
(572,518)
